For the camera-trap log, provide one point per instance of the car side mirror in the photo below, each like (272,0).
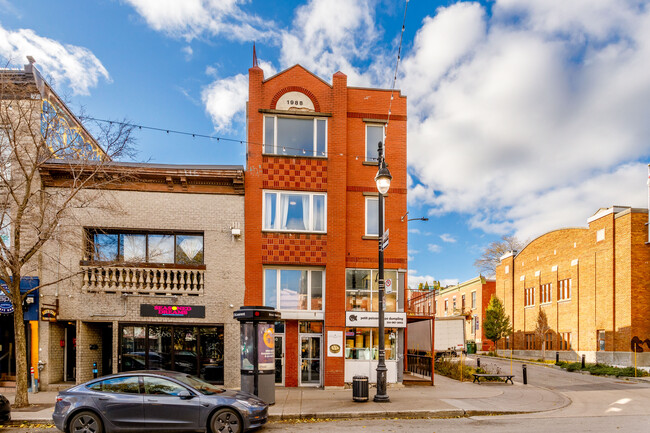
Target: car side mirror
(185,395)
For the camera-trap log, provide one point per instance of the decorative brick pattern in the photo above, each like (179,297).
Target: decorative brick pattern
(296,174)
(294,249)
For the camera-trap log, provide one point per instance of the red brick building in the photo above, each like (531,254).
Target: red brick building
(311,222)
(469,299)
(593,285)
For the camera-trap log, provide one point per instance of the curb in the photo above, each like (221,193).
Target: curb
(443,413)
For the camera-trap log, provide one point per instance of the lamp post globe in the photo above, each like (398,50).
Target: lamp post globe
(383,178)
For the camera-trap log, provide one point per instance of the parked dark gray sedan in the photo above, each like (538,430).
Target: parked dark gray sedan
(156,401)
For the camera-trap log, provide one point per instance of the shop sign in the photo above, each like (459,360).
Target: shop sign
(370,319)
(335,343)
(190,311)
(48,314)
(6,306)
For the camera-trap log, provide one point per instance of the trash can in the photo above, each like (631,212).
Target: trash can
(471,347)
(360,388)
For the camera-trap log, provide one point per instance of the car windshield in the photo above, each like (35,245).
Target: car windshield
(200,385)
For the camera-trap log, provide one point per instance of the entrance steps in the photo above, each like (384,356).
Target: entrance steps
(7,382)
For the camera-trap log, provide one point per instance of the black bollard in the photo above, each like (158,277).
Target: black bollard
(583,361)
(478,362)
(523,369)
(557,357)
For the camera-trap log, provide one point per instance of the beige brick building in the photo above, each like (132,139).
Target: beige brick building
(158,271)
(591,282)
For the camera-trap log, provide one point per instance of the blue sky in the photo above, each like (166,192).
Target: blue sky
(524,115)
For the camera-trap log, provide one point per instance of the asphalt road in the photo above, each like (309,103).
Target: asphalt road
(483,424)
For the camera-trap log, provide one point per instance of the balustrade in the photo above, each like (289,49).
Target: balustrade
(130,279)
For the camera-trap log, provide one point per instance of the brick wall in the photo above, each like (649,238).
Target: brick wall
(211,214)
(609,291)
(347,181)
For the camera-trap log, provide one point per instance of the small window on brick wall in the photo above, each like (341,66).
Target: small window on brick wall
(529,296)
(564,289)
(545,293)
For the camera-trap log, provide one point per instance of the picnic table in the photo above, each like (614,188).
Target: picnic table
(477,377)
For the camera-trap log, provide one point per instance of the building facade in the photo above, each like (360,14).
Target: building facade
(145,266)
(158,270)
(311,223)
(468,299)
(591,283)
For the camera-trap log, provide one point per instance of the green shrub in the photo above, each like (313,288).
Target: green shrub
(447,367)
(602,369)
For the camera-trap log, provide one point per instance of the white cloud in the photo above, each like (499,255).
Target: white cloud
(332,35)
(446,237)
(225,99)
(413,251)
(188,51)
(445,282)
(414,231)
(190,19)
(532,118)
(71,65)
(434,248)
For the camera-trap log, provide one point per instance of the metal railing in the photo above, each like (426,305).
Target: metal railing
(110,279)
(419,364)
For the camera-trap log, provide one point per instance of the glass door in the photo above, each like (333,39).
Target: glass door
(279,359)
(310,362)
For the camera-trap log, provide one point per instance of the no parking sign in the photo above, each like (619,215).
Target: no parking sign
(389,286)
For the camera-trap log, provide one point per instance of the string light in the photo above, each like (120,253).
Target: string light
(399,57)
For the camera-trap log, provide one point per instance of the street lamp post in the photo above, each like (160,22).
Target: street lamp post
(382,179)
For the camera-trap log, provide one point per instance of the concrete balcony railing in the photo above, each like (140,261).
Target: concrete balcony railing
(143,279)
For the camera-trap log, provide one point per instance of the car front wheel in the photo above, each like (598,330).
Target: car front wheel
(226,420)
(86,422)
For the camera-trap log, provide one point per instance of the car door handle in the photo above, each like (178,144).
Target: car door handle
(152,399)
(205,404)
(103,398)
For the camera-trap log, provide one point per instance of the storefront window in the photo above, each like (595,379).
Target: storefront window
(211,352)
(134,348)
(361,295)
(160,347)
(196,350)
(358,343)
(310,327)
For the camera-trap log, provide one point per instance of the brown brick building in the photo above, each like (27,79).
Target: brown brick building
(311,222)
(469,299)
(591,282)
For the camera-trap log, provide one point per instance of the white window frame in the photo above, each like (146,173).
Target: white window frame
(383,126)
(277,210)
(278,270)
(373,198)
(474,300)
(314,153)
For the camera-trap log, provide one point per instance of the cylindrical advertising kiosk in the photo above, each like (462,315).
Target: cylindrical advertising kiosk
(257,344)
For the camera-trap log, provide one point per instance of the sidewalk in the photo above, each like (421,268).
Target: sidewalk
(448,398)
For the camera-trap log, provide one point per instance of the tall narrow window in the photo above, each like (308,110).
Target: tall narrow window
(374,134)
(372,216)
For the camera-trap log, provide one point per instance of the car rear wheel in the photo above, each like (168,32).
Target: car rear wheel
(86,422)
(226,420)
